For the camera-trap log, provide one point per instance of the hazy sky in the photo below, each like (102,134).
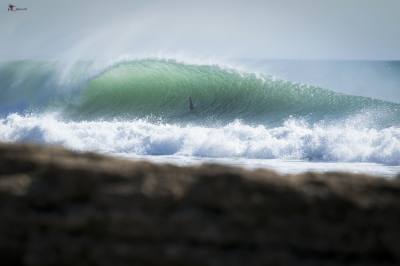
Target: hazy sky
(292,29)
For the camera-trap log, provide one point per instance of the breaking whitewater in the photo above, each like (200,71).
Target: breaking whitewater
(139,109)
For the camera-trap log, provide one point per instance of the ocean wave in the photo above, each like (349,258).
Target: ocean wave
(294,139)
(158,89)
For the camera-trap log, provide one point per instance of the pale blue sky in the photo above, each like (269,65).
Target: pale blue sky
(292,29)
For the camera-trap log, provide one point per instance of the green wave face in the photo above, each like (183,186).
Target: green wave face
(161,88)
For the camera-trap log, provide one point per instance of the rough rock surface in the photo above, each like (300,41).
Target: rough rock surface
(63,208)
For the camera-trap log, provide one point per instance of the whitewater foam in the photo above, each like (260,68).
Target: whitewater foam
(294,139)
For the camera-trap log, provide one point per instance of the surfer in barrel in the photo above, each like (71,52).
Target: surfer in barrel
(191,107)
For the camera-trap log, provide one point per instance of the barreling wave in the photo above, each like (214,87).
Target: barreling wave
(140,107)
(159,89)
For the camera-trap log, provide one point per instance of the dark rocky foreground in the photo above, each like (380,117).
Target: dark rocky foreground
(62,208)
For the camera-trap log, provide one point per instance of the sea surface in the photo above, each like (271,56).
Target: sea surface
(256,114)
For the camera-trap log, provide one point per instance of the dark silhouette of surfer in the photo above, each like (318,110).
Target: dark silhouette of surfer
(11,7)
(191,107)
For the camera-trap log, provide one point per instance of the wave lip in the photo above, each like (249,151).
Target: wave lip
(294,140)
